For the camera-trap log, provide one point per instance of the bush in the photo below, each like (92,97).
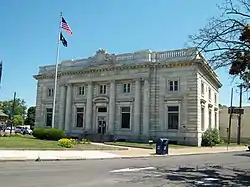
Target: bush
(67,143)
(85,141)
(49,133)
(211,137)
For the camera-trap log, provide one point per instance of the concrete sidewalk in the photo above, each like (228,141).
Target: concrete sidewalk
(22,155)
(40,155)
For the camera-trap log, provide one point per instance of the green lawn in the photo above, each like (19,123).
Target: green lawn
(29,142)
(26,142)
(143,145)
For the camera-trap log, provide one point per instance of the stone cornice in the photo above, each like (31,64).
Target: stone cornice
(119,68)
(209,72)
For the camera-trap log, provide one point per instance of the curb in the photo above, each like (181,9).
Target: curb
(60,149)
(111,158)
(137,147)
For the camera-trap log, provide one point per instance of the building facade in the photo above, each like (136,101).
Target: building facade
(134,96)
(245,128)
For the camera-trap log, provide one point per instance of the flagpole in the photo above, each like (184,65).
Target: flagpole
(56,72)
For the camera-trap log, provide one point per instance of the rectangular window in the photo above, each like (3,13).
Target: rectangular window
(173,117)
(210,118)
(126,88)
(48,117)
(202,88)
(173,86)
(103,89)
(79,117)
(215,98)
(102,109)
(81,90)
(202,118)
(125,112)
(209,93)
(215,120)
(50,92)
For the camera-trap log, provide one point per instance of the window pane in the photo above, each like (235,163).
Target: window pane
(79,120)
(215,119)
(102,109)
(49,110)
(104,89)
(202,119)
(171,87)
(125,109)
(124,88)
(173,120)
(49,117)
(128,88)
(80,110)
(173,109)
(126,120)
(210,118)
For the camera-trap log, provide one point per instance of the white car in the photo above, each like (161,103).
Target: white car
(23,130)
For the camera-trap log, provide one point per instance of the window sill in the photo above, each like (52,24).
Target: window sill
(125,129)
(174,130)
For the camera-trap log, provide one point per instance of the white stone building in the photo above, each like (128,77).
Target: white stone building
(136,96)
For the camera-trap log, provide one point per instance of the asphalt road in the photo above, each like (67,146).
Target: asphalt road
(224,169)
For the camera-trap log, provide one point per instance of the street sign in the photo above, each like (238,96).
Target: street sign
(235,110)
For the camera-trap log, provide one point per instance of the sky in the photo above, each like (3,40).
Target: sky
(29,32)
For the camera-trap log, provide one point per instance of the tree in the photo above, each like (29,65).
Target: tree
(17,120)
(30,120)
(20,107)
(225,40)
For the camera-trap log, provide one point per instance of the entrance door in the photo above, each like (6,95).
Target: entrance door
(101,120)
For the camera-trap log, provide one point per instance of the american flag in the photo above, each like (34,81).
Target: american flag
(65,26)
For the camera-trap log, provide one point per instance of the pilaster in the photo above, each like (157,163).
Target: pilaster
(146,108)
(137,111)
(111,107)
(62,106)
(68,108)
(89,107)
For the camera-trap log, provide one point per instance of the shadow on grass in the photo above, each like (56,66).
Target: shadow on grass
(201,176)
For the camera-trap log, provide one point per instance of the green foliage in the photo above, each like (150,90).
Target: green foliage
(211,137)
(49,134)
(17,120)
(30,120)
(67,143)
(20,107)
(85,141)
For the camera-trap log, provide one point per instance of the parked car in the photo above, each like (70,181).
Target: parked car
(23,130)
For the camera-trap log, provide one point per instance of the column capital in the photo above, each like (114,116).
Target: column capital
(89,82)
(138,79)
(68,84)
(112,81)
(145,79)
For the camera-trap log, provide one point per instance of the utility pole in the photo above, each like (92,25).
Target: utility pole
(239,117)
(12,113)
(230,120)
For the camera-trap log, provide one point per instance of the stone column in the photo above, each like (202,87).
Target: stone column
(89,107)
(111,107)
(137,105)
(68,108)
(62,107)
(146,109)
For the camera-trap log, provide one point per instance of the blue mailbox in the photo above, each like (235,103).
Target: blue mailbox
(162,146)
